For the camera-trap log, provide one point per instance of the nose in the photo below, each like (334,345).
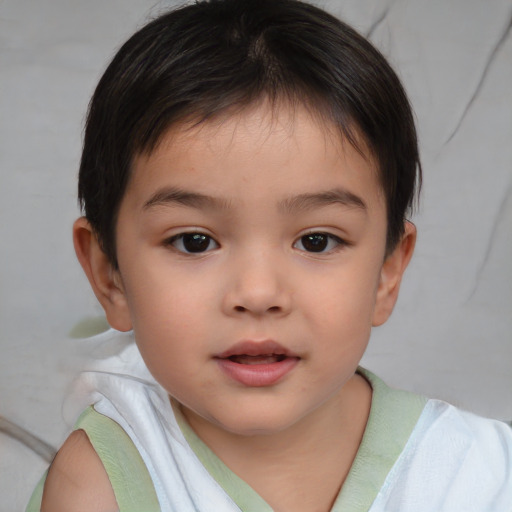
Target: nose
(258,286)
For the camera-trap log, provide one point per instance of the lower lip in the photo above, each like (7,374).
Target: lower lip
(257,375)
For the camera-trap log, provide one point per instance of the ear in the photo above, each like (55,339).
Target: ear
(105,280)
(391,274)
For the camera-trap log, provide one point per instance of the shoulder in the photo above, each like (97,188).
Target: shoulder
(458,437)
(465,427)
(77,479)
(454,460)
(461,456)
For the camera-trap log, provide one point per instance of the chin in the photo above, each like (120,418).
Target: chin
(256,422)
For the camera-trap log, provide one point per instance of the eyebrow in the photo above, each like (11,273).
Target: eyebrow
(315,200)
(172,195)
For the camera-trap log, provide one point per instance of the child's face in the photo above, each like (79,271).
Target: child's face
(251,267)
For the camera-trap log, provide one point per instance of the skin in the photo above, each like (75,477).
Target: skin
(256,185)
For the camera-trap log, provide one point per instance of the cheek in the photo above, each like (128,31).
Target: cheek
(172,335)
(169,320)
(341,313)
(162,319)
(346,297)
(160,294)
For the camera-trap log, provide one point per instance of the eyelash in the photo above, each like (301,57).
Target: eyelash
(325,242)
(178,242)
(322,237)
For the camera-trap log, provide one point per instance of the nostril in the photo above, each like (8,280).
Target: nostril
(272,309)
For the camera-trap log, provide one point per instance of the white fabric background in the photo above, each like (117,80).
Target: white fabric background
(450,336)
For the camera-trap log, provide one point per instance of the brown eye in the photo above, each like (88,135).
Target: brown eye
(318,242)
(193,243)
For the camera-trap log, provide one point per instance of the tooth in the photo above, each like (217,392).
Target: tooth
(254,360)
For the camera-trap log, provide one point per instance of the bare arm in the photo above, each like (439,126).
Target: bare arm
(77,480)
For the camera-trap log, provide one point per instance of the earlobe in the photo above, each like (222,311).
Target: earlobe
(391,274)
(105,281)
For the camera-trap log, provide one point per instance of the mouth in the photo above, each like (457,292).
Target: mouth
(257,363)
(261,359)
(253,350)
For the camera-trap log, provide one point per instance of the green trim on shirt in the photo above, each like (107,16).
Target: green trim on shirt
(34,505)
(393,416)
(127,472)
(245,497)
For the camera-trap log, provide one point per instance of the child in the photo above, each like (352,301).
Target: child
(246,174)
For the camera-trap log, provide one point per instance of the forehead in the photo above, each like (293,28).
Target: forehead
(270,142)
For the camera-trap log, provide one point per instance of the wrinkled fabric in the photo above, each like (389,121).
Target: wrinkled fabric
(454,461)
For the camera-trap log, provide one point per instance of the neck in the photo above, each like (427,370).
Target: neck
(313,456)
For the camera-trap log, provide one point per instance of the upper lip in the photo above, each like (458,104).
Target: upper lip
(256,348)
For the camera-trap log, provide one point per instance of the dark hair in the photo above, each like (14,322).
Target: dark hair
(200,60)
